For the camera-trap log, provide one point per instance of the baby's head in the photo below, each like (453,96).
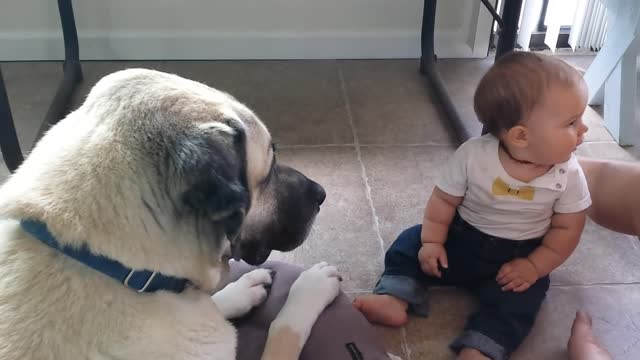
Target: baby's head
(534,104)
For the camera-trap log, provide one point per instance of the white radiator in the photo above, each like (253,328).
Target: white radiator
(589,28)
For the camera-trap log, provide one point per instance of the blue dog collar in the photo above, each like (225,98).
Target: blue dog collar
(138,280)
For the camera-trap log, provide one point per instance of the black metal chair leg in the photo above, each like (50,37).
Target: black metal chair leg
(457,130)
(509,33)
(72,69)
(506,43)
(493,12)
(9,144)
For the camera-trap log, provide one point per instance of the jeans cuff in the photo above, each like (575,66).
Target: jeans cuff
(484,344)
(407,289)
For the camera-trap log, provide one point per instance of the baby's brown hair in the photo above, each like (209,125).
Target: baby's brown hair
(515,84)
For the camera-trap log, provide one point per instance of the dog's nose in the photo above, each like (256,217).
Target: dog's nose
(319,193)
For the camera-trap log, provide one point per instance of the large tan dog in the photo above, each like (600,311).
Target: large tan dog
(166,179)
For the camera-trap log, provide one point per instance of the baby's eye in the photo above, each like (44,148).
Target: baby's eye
(573,123)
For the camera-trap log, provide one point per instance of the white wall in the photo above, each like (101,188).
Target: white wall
(241,29)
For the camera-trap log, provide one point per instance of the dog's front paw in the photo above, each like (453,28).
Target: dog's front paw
(309,295)
(316,287)
(239,297)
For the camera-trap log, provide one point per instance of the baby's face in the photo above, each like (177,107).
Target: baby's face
(555,125)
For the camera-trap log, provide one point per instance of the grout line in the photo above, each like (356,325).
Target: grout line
(357,291)
(561,286)
(352,291)
(634,241)
(600,142)
(302,146)
(567,286)
(363,171)
(435,144)
(405,344)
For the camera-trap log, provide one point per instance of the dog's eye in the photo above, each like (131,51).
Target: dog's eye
(273,147)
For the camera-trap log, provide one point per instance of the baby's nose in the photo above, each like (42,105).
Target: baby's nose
(585,128)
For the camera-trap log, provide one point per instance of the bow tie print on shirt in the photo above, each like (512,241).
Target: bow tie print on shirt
(501,188)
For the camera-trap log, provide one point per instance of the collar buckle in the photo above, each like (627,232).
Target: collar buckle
(146,284)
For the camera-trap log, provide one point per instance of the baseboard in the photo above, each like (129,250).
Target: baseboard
(227,46)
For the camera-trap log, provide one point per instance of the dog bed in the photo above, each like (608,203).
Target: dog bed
(340,333)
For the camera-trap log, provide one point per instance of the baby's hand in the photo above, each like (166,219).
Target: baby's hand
(517,275)
(430,255)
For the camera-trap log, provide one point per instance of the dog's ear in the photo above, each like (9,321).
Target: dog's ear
(213,166)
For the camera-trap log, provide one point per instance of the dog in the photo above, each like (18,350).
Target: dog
(120,224)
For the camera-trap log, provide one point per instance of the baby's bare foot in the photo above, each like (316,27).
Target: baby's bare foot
(582,344)
(382,309)
(471,354)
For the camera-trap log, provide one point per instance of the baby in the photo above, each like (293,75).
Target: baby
(508,209)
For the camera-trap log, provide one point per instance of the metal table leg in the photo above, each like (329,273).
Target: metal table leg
(458,132)
(506,43)
(509,33)
(9,144)
(71,67)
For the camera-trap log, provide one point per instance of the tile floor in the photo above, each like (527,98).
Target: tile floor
(369,132)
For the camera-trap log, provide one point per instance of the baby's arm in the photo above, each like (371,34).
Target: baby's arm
(559,242)
(441,207)
(440,210)
(438,215)
(567,223)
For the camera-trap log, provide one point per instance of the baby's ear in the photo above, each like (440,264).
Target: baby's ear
(517,136)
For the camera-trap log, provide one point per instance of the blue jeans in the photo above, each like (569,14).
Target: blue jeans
(503,319)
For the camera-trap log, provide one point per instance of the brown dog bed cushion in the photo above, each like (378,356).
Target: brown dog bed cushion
(340,333)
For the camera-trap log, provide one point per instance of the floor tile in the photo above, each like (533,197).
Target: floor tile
(580,62)
(301,102)
(390,103)
(461,77)
(344,233)
(609,151)
(616,321)
(30,87)
(392,338)
(615,311)
(429,338)
(401,181)
(597,130)
(603,256)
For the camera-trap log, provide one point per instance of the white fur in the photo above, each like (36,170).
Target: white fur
(310,294)
(86,179)
(239,297)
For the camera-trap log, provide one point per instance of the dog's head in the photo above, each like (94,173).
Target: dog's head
(237,183)
(167,174)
